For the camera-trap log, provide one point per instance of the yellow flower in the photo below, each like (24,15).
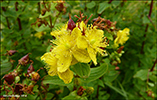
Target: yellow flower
(92,39)
(73,43)
(122,37)
(39,34)
(53,68)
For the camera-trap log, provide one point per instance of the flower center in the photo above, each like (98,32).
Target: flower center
(67,45)
(92,41)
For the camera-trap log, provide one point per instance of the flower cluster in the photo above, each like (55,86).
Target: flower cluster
(122,37)
(74,43)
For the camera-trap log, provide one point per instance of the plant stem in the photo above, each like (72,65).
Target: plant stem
(110,1)
(97,94)
(39,7)
(153,66)
(143,43)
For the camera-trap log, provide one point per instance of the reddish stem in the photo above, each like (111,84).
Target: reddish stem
(153,66)
(143,43)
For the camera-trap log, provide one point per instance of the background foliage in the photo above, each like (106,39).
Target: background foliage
(137,73)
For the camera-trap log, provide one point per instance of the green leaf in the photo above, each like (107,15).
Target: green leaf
(82,69)
(41,28)
(142,74)
(35,88)
(115,3)
(115,88)
(102,7)
(96,73)
(100,82)
(109,36)
(73,96)
(49,96)
(5,66)
(48,48)
(151,84)
(145,20)
(32,96)
(91,4)
(46,15)
(53,80)
(4,4)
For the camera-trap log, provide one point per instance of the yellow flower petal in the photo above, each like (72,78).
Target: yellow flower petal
(66,76)
(49,58)
(81,55)
(64,62)
(81,42)
(53,70)
(74,61)
(92,54)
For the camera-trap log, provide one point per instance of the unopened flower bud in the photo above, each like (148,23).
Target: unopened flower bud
(30,69)
(114,63)
(9,78)
(11,52)
(116,68)
(24,60)
(71,24)
(17,79)
(153,95)
(108,22)
(89,90)
(77,81)
(35,76)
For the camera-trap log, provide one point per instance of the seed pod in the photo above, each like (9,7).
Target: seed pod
(9,78)
(24,60)
(80,91)
(11,52)
(43,12)
(35,76)
(71,24)
(59,7)
(18,89)
(30,69)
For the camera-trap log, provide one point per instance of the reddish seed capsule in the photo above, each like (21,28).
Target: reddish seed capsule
(9,78)
(117,68)
(18,89)
(108,22)
(11,52)
(24,60)
(30,69)
(35,76)
(71,24)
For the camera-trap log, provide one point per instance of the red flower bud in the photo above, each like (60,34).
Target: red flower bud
(9,78)
(24,60)
(30,69)
(108,22)
(71,24)
(11,52)
(117,68)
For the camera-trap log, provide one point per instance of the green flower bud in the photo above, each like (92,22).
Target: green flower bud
(17,79)
(77,81)
(89,90)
